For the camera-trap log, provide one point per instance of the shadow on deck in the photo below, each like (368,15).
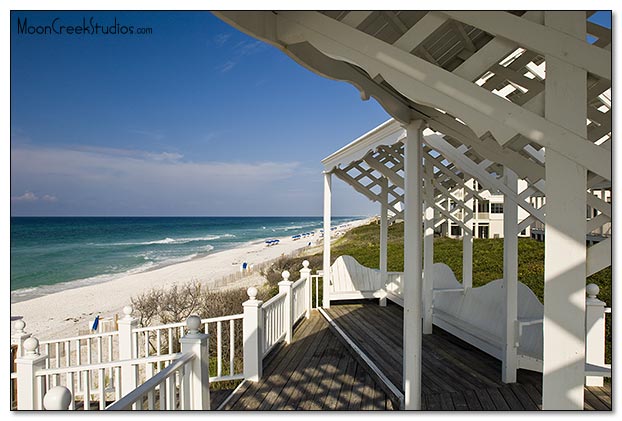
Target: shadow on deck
(455,375)
(320,371)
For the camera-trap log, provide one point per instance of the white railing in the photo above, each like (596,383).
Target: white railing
(169,382)
(183,382)
(299,299)
(98,368)
(164,339)
(273,322)
(316,282)
(267,324)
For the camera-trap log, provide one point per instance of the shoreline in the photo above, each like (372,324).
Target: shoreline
(66,312)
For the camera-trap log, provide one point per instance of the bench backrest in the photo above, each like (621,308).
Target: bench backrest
(348,275)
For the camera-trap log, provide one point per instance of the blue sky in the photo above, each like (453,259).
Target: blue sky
(193,119)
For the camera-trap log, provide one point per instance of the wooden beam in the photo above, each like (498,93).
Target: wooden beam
(355,18)
(420,31)
(423,82)
(598,257)
(543,39)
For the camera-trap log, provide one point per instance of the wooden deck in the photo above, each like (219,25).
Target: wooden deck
(314,372)
(455,375)
(320,371)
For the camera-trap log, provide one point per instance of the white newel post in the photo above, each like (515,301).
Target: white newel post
(595,333)
(127,351)
(384,237)
(510,278)
(253,336)
(326,254)
(198,375)
(19,336)
(29,390)
(285,286)
(305,273)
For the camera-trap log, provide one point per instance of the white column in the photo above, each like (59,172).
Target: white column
(252,332)
(305,273)
(510,279)
(428,249)
(285,286)
(595,333)
(127,347)
(412,265)
(198,381)
(384,235)
(326,260)
(565,252)
(29,392)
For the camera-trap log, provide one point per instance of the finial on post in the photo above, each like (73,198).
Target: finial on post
(305,264)
(592,290)
(31,346)
(20,327)
(193,322)
(252,293)
(127,310)
(285,275)
(57,398)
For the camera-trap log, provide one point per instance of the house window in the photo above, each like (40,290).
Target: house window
(496,208)
(483,206)
(524,231)
(456,230)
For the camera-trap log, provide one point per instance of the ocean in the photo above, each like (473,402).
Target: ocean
(49,254)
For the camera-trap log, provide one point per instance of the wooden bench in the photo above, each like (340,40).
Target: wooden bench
(350,280)
(477,316)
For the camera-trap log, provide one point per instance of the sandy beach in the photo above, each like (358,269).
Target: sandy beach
(69,312)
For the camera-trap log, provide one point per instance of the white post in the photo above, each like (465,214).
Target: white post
(595,333)
(197,343)
(29,392)
(305,273)
(19,336)
(57,398)
(412,265)
(563,374)
(286,286)
(326,262)
(384,236)
(253,336)
(127,351)
(510,279)
(428,249)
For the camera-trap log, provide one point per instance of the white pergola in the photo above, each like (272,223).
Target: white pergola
(504,95)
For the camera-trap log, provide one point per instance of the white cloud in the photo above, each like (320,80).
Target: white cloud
(118,181)
(31,197)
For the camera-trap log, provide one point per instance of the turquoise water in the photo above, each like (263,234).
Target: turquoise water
(49,254)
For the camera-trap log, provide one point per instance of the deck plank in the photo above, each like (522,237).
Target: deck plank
(318,370)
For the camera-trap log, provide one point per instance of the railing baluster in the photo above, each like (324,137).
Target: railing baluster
(86,389)
(219,348)
(170,340)
(231,345)
(72,389)
(102,389)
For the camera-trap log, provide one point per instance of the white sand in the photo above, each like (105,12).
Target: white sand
(66,313)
